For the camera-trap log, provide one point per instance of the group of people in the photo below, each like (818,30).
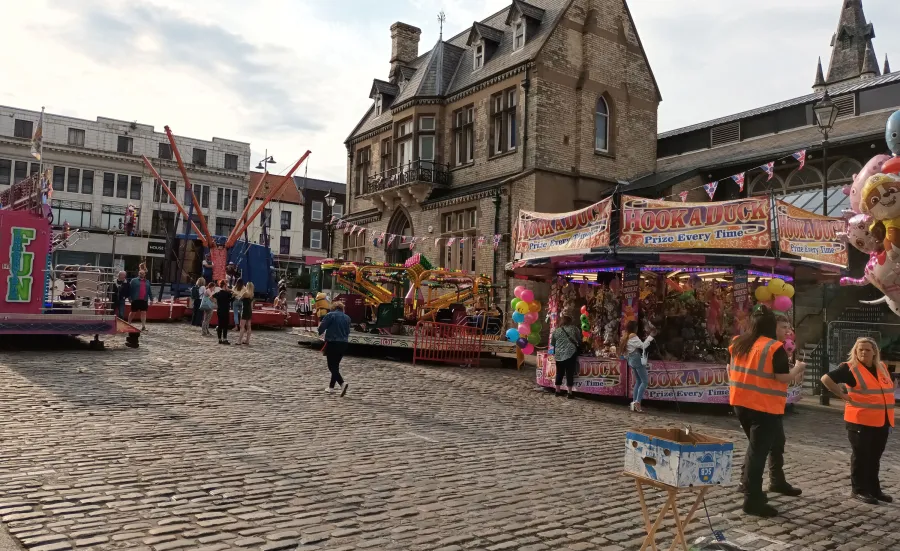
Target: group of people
(226,301)
(760,371)
(137,291)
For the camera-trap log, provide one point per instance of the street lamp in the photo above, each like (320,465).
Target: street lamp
(826,115)
(330,200)
(264,166)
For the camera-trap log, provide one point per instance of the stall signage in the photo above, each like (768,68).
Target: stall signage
(631,282)
(654,224)
(24,246)
(694,382)
(544,233)
(742,302)
(595,375)
(811,236)
(156,248)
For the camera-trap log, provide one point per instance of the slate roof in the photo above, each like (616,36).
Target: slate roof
(529,10)
(448,68)
(486,32)
(833,91)
(845,129)
(382,87)
(320,185)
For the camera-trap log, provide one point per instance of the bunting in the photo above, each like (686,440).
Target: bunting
(451,241)
(739,180)
(437,242)
(801,157)
(497,241)
(390,240)
(769,168)
(479,242)
(711,189)
(684,196)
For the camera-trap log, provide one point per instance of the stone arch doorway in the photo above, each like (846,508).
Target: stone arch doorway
(401,226)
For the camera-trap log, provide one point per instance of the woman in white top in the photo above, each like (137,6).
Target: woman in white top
(633,348)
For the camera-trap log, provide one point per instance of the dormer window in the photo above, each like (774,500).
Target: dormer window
(378,101)
(479,56)
(518,35)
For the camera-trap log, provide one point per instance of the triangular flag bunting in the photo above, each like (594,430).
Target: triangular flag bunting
(391,239)
(770,169)
(451,241)
(497,241)
(800,156)
(480,242)
(683,195)
(711,189)
(739,180)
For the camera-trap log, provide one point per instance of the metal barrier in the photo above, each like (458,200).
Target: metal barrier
(842,336)
(447,343)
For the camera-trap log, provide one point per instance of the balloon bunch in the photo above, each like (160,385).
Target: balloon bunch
(776,295)
(873,221)
(525,313)
(789,343)
(585,323)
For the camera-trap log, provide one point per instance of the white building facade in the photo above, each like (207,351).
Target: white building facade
(97,172)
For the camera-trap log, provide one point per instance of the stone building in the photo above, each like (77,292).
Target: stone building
(317,232)
(282,219)
(544,105)
(97,172)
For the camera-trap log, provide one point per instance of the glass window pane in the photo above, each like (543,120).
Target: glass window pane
(600,132)
(59,177)
(122,186)
(87,182)
(73,180)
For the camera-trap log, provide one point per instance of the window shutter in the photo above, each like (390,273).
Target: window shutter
(725,134)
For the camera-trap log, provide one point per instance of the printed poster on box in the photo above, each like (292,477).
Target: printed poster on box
(811,236)
(541,233)
(738,224)
(24,246)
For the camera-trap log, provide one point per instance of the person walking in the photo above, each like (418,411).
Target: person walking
(141,296)
(335,325)
(121,292)
(869,413)
(223,298)
(196,294)
(566,342)
(759,373)
(207,306)
(247,297)
(236,303)
(634,350)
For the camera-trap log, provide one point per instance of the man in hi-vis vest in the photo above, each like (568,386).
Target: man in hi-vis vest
(869,413)
(759,373)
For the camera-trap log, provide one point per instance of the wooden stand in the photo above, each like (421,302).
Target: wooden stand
(671,504)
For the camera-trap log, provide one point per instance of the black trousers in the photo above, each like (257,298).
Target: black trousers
(868,444)
(567,368)
(222,326)
(197,315)
(765,432)
(334,352)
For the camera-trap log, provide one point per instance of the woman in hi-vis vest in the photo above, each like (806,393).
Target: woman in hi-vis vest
(869,413)
(759,373)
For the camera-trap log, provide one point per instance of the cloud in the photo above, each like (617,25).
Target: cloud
(141,36)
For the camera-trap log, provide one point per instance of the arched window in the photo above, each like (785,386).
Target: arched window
(808,177)
(399,225)
(842,171)
(601,126)
(762,185)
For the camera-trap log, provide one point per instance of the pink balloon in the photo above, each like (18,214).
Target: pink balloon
(524,329)
(528,349)
(790,346)
(518,292)
(531,317)
(527,295)
(782,303)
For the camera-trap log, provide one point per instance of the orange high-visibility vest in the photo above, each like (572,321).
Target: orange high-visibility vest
(752,382)
(872,399)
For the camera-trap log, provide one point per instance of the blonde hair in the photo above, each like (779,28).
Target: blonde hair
(201,282)
(249,290)
(852,358)
(337,305)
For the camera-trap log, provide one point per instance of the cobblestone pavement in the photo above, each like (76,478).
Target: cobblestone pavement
(183,444)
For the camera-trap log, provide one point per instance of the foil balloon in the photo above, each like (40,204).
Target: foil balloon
(880,197)
(872,168)
(790,346)
(882,271)
(892,133)
(857,233)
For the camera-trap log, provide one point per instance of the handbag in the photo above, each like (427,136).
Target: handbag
(645,355)
(206,303)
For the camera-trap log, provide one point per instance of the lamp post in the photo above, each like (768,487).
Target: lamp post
(826,114)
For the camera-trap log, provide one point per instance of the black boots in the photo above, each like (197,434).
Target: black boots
(782,487)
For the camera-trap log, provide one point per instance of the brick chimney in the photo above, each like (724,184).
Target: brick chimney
(404,46)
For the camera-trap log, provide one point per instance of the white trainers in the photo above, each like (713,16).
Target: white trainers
(329,390)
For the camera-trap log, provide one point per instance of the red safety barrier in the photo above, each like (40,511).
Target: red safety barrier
(447,343)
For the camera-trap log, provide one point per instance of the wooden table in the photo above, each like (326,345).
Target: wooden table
(671,504)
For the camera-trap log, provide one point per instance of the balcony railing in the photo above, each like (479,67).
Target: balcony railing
(414,172)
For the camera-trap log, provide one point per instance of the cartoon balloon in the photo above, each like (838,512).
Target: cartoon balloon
(788,290)
(512,335)
(527,295)
(762,294)
(858,234)
(874,166)
(892,133)
(522,307)
(524,330)
(518,317)
(790,346)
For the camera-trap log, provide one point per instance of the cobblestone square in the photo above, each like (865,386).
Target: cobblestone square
(184,444)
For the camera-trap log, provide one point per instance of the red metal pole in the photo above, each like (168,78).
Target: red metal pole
(274,191)
(174,199)
(187,185)
(234,235)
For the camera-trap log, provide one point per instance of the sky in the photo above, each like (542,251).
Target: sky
(292,75)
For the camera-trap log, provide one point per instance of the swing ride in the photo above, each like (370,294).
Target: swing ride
(41,299)
(254,261)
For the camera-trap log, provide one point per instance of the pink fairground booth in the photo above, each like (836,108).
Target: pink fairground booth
(690,272)
(37,298)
